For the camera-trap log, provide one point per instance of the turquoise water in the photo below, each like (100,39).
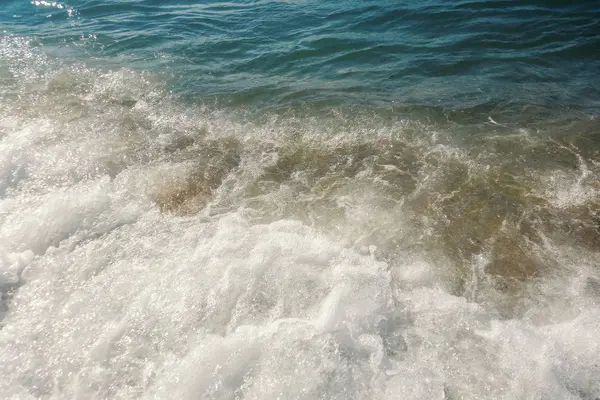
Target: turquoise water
(300,199)
(279,54)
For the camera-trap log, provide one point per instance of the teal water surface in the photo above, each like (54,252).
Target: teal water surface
(434,53)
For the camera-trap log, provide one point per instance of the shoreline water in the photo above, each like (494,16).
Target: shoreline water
(159,243)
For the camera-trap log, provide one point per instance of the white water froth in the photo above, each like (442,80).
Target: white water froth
(106,297)
(191,308)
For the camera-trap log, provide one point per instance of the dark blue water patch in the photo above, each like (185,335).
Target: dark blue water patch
(269,53)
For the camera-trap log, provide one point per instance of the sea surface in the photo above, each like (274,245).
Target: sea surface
(300,199)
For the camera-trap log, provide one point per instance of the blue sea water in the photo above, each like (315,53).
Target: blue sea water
(300,199)
(282,53)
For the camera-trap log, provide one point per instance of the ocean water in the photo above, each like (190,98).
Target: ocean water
(300,199)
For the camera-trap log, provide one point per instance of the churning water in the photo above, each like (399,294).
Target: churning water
(300,199)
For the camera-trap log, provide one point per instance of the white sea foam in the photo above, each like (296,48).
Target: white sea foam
(54,4)
(105,296)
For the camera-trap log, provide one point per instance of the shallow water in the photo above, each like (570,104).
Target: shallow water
(300,200)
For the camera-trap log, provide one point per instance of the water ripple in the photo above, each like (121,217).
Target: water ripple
(387,50)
